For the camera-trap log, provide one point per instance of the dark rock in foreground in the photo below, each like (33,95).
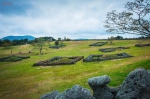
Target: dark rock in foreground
(76,92)
(51,95)
(100,90)
(135,86)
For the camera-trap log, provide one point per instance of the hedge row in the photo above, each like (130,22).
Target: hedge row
(94,58)
(141,45)
(98,44)
(13,58)
(57,61)
(112,49)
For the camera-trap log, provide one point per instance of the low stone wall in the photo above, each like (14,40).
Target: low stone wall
(99,57)
(54,61)
(13,58)
(98,44)
(135,86)
(112,49)
(141,45)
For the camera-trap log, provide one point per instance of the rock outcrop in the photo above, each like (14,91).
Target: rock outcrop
(100,88)
(76,92)
(135,86)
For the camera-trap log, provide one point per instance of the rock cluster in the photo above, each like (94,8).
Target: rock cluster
(100,88)
(76,92)
(135,86)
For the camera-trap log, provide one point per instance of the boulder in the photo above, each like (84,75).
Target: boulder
(100,88)
(135,86)
(76,92)
(51,95)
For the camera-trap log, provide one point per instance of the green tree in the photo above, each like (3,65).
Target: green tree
(60,41)
(39,44)
(49,40)
(6,43)
(1,42)
(67,39)
(133,21)
(56,43)
(111,39)
(26,41)
(119,37)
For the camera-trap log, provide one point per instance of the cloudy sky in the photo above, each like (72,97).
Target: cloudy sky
(57,18)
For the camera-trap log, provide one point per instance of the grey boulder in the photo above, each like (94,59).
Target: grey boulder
(135,86)
(76,92)
(100,88)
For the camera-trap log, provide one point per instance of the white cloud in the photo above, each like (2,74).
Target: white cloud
(72,18)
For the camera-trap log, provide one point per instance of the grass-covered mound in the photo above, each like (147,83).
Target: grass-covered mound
(98,44)
(59,61)
(112,49)
(13,58)
(95,58)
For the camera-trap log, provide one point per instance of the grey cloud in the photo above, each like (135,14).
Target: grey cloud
(56,18)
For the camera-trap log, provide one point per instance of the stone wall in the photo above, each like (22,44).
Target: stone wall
(135,86)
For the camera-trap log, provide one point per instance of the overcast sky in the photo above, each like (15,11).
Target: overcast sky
(57,18)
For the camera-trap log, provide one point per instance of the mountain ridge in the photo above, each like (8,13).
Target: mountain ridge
(29,37)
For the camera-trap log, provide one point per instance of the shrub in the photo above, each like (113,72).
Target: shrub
(56,43)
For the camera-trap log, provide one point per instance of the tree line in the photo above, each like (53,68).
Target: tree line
(7,42)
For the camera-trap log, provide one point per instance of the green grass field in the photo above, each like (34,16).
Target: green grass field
(19,80)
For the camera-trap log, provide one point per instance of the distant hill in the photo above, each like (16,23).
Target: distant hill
(80,39)
(29,37)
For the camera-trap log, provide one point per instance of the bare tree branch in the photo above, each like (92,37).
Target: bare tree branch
(132,21)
